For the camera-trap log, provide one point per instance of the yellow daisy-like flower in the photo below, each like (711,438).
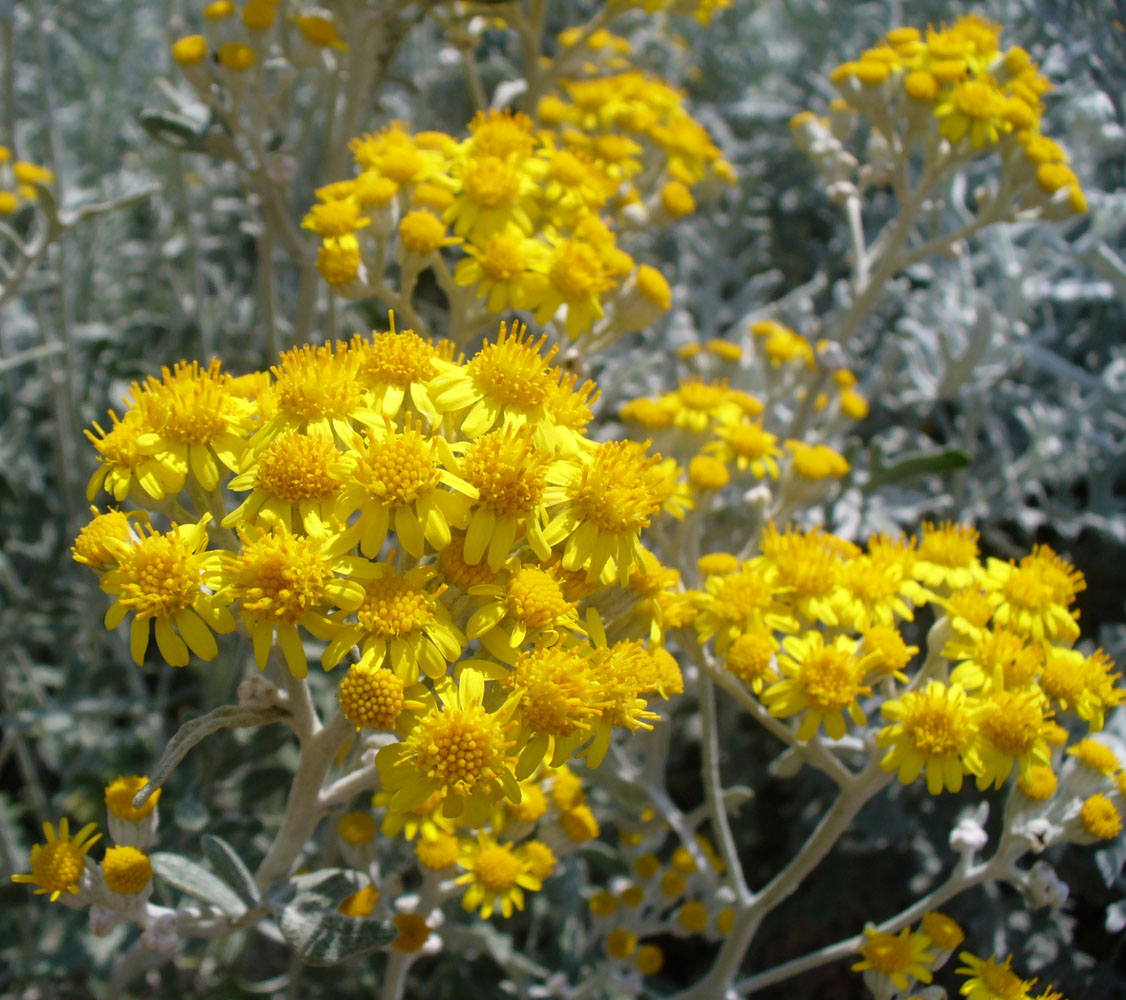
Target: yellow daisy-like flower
(997,658)
(291,485)
(159,578)
(126,870)
(393,153)
(57,865)
(396,367)
(510,474)
(699,405)
(741,602)
(91,547)
(396,479)
(1099,690)
(457,748)
(507,269)
(602,504)
(823,681)
(1012,730)
(374,699)
(335,218)
(496,875)
(1035,594)
(815,462)
(805,566)
(874,592)
(399,621)
(124,459)
(988,980)
(749,446)
(119,797)
(505,382)
(283,581)
(529,607)
(901,957)
(947,556)
(491,193)
(974,109)
(930,731)
(578,278)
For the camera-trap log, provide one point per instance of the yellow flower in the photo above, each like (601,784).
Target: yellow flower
(930,731)
(578,278)
(335,218)
(422,233)
(393,154)
(92,547)
(973,108)
(492,192)
(602,504)
(947,555)
(57,866)
(413,932)
(399,621)
(506,268)
(496,875)
(396,367)
(374,698)
(126,870)
(740,602)
(986,980)
(284,581)
(457,748)
(395,479)
(749,446)
(817,461)
(1035,595)
(119,797)
(1012,728)
(159,578)
(821,680)
(1100,818)
(901,957)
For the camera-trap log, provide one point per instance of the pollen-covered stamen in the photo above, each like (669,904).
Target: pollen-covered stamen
(620,489)
(159,576)
(459,748)
(394,607)
(507,470)
(280,577)
(497,868)
(317,383)
(371,699)
(829,679)
(296,467)
(398,358)
(535,598)
(513,368)
(399,468)
(935,724)
(1013,722)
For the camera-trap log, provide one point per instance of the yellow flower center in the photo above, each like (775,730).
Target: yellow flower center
(399,469)
(1039,783)
(558,694)
(280,577)
(1004,651)
(497,868)
(829,679)
(1062,677)
(1013,723)
(507,470)
(953,545)
(1100,818)
(748,657)
(126,870)
(357,827)
(119,445)
(394,607)
(654,286)
(619,489)
(399,358)
(749,441)
(57,865)
(413,932)
(513,368)
(458,748)
(1096,756)
(1025,588)
(492,183)
(437,852)
(535,598)
(943,932)
(499,133)
(159,576)
(120,794)
(577,272)
(978,100)
(503,257)
(314,383)
(455,569)
(371,699)
(421,232)
(1002,981)
(296,467)
(568,169)
(193,401)
(935,723)
(90,545)
(887,952)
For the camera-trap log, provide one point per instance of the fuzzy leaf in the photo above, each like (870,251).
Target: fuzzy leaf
(324,936)
(225,860)
(197,881)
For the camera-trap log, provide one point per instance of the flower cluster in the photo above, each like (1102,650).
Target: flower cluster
(895,965)
(17,181)
(237,38)
(814,626)
(748,410)
(957,95)
(443,525)
(518,214)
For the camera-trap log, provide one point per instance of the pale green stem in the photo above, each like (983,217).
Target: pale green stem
(318,751)
(713,787)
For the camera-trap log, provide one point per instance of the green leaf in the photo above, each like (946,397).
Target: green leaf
(197,881)
(225,860)
(196,730)
(172,130)
(916,466)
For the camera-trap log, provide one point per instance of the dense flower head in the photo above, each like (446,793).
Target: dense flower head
(57,865)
